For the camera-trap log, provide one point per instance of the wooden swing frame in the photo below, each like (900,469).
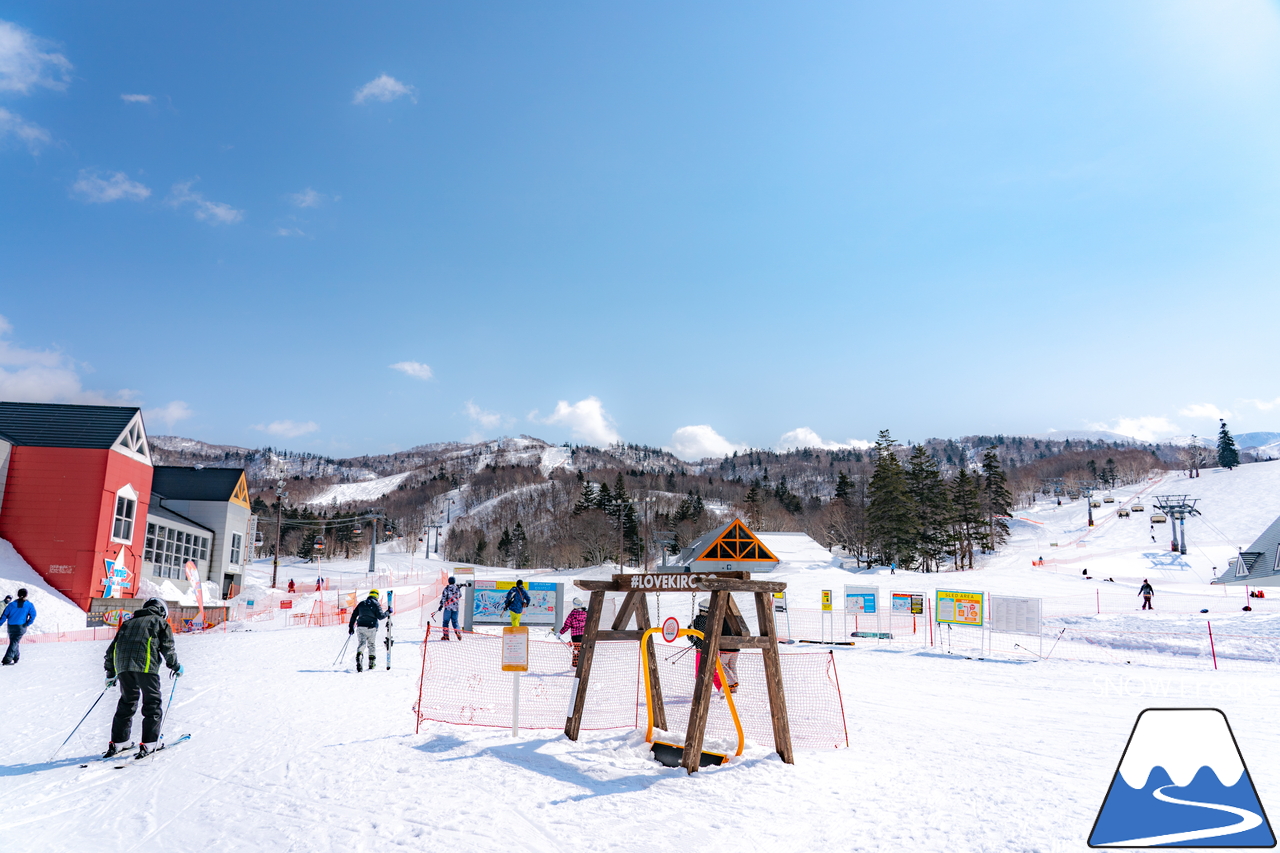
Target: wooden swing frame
(720,585)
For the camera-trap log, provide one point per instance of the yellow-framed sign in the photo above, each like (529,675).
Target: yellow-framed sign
(955,607)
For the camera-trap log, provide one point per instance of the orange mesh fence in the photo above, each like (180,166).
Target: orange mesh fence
(463,683)
(104,633)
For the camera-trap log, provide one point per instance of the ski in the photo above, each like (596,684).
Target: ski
(387,640)
(161,748)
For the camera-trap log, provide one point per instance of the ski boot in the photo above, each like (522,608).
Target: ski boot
(458,633)
(144,750)
(114,749)
(444,635)
(373,663)
(359,661)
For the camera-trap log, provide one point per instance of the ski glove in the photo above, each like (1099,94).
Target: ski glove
(351,630)
(111,682)
(174,673)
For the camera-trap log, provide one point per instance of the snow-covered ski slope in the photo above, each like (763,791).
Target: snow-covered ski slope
(947,753)
(366,490)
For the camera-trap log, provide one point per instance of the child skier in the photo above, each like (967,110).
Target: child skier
(575,623)
(449,604)
(17,617)
(133,659)
(728,659)
(364,622)
(517,600)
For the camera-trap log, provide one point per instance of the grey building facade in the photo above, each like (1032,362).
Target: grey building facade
(217,499)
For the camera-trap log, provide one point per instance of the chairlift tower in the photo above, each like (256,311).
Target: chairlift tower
(1086,492)
(1178,507)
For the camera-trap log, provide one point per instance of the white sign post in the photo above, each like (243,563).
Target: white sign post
(515,660)
(1013,615)
(861,601)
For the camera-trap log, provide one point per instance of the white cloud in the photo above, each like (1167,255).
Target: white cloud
(1205,410)
(168,415)
(288,429)
(805,437)
(384,88)
(701,441)
(307,198)
(25,62)
(44,376)
(96,189)
(213,212)
(1265,405)
(486,419)
(413,368)
(587,421)
(32,134)
(290,232)
(1148,428)
(137,99)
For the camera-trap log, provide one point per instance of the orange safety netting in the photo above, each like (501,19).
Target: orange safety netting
(463,682)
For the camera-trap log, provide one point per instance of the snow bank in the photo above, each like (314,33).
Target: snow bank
(54,611)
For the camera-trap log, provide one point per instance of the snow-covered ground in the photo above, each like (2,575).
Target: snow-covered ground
(947,753)
(54,611)
(365,490)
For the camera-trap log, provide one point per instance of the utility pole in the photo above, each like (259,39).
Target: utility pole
(373,540)
(281,494)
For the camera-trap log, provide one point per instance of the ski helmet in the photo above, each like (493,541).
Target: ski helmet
(704,605)
(577,604)
(373,593)
(155,602)
(452,579)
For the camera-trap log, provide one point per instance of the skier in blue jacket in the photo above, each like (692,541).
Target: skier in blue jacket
(517,600)
(17,617)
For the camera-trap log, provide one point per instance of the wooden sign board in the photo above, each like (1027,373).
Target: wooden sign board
(673,581)
(515,649)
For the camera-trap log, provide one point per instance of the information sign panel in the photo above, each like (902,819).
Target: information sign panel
(826,601)
(908,603)
(959,608)
(779,602)
(860,599)
(489,596)
(1012,615)
(670,629)
(515,649)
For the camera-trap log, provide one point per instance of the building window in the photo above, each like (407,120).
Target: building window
(126,506)
(204,547)
(167,550)
(236,541)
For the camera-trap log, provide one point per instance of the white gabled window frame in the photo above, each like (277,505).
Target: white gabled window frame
(124,515)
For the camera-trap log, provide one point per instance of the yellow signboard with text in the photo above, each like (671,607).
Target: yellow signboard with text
(826,600)
(960,608)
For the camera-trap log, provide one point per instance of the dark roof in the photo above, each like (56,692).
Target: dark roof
(195,484)
(1261,559)
(59,425)
(159,513)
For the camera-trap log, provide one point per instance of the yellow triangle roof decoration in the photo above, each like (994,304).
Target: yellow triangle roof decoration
(241,493)
(738,543)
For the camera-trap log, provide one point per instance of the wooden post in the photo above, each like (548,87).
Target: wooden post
(773,680)
(643,623)
(595,607)
(703,686)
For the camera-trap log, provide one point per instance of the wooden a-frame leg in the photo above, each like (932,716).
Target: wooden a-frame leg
(773,680)
(703,686)
(573,725)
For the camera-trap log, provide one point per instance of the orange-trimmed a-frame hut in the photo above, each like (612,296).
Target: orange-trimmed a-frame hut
(731,548)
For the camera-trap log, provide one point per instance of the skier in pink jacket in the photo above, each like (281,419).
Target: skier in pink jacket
(575,623)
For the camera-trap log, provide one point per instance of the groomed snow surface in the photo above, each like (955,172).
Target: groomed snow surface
(290,753)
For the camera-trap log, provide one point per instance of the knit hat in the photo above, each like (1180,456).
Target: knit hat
(373,593)
(704,605)
(577,604)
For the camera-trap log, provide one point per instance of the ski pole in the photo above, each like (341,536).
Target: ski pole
(342,654)
(1055,643)
(168,705)
(81,723)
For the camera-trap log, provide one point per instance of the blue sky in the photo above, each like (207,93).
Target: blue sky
(695,226)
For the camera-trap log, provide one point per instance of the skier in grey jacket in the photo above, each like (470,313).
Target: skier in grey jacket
(134,659)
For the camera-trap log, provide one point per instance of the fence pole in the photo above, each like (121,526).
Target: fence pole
(1098,594)
(1211,649)
(928,613)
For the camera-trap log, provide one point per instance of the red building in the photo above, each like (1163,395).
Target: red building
(75,484)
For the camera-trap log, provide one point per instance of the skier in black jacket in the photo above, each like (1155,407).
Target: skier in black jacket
(364,623)
(133,659)
(728,659)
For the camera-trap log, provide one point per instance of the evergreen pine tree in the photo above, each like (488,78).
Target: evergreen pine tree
(519,547)
(933,507)
(1228,455)
(966,518)
(604,498)
(844,488)
(891,513)
(997,500)
(752,500)
(504,547)
(586,499)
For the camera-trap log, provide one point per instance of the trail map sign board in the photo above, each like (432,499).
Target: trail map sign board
(907,603)
(955,607)
(1010,615)
(860,599)
(487,598)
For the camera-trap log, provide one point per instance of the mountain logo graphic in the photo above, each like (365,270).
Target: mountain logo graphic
(1182,783)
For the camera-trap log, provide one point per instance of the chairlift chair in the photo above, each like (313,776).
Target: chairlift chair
(1095,504)
(1108,500)
(1137,508)
(1158,518)
(356,531)
(1123,513)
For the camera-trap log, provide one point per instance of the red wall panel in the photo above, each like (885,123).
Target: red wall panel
(59,502)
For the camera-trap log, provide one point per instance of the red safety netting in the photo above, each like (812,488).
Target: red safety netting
(463,682)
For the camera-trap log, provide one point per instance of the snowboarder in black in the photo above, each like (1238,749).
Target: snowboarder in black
(133,659)
(1146,592)
(364,623)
